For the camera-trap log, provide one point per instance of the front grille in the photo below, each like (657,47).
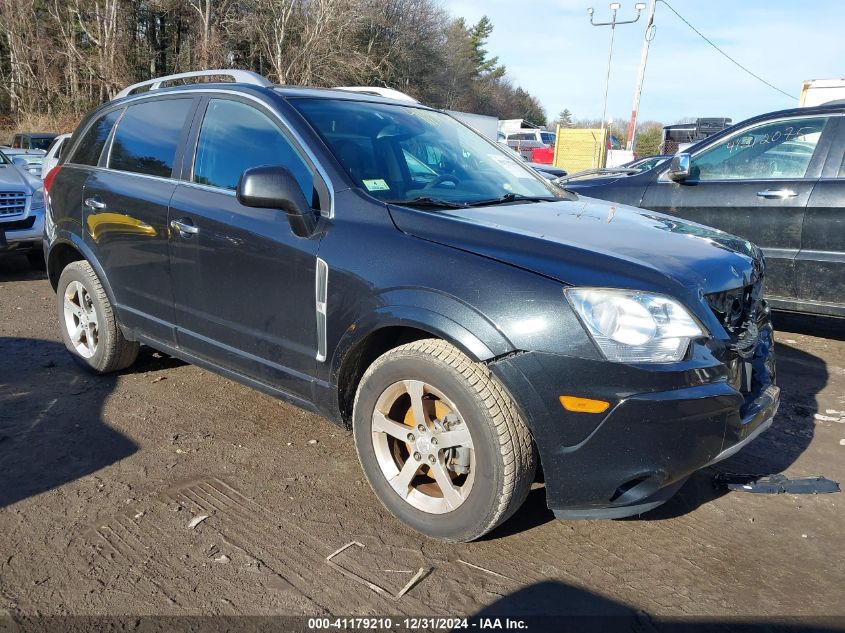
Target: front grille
(742,311)
(12,203)
(736,308)
(745,316)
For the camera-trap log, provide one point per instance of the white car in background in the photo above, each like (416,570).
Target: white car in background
(21,209)
(54,153)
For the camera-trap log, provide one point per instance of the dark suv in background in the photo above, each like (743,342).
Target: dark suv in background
(466,318)
(33,140)
(778,180)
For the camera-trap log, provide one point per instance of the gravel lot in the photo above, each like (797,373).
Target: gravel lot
(101,477)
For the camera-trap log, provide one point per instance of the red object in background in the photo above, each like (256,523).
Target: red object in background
(51,176)
(544,155)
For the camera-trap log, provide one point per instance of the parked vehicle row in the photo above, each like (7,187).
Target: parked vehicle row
(379,263)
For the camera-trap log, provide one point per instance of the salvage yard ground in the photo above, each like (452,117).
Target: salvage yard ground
(103,483)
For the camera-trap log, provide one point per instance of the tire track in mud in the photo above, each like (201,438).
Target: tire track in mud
(289,551)
(127,555)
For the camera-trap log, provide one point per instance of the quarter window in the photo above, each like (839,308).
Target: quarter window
(91,146)
(234,137)
(147,135)
(777,150)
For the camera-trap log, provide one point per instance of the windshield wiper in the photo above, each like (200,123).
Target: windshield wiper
(425,201)
(512,197)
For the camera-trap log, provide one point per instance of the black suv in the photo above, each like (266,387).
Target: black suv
(778,180)
(380,263)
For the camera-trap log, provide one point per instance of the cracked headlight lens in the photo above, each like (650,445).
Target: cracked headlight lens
(631,326)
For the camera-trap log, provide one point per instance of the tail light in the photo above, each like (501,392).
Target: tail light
(50,177)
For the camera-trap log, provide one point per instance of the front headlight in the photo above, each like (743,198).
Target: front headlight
(37,199)
(630,326)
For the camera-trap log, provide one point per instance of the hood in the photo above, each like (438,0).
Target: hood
(13,178)
(595,181)
(590,242)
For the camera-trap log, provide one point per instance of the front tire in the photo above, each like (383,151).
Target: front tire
(440,441)
(86,319)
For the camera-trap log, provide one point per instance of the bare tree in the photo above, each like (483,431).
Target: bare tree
(211,13)
(58,58)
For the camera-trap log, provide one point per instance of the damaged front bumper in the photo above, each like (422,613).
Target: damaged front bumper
(665,422)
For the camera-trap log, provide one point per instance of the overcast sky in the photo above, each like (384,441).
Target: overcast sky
(551,50)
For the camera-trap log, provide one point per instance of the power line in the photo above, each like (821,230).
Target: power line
(702,36)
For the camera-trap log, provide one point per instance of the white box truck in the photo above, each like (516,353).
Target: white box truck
(820,91)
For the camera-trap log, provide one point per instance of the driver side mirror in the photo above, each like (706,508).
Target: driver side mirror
(274,187)
(679,168)
(20,162)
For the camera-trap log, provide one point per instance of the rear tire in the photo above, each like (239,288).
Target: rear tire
(86,319)
(468,467)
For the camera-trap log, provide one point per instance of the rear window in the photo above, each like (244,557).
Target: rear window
(91,146)
(40,142)
(147,135)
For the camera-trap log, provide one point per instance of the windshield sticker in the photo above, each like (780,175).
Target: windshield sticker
(376,184)
(510,166)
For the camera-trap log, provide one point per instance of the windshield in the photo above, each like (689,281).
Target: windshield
(4,160)
(404,153)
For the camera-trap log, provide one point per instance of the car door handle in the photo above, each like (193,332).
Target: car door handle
(94,203)
(777,194)
(184,227)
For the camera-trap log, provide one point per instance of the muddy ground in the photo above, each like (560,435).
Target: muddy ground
(101,477)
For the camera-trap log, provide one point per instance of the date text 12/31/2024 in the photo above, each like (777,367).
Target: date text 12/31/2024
(417,624)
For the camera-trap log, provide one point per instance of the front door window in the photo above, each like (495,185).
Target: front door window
(774,150)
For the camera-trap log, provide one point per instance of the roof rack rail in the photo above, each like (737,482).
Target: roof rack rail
(378,91)
(238,76)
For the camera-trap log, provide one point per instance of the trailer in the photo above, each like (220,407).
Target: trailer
(820,91)
(676,138)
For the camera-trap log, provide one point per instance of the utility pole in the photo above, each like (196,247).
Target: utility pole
(638,89)
(614,7)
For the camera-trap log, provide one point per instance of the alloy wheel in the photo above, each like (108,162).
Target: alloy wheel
(423,446)
(81,319)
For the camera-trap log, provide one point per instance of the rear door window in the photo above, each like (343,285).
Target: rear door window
(91,146)
(147,137)
(234,137)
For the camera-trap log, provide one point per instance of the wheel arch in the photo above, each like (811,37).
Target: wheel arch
(61,254)
(67,249)
(390,327)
